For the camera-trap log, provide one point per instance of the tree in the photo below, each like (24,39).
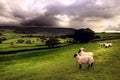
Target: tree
(11,43)
(97,37)
(0,34)
(0,41)
(3,39)
(52,42)
(20,41)
(30,35)
(42,38)
(83,35)
(28,42)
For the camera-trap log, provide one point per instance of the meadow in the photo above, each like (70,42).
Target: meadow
(35,62)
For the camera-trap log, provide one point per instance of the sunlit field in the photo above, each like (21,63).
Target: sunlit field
(41,39)
(59,64)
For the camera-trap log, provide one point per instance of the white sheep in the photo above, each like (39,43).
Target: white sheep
(101,44)
(83,53)
(110,44)
(84,60)
(107,45)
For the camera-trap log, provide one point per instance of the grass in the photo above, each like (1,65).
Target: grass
(59,64)
(36,43)
(107,36)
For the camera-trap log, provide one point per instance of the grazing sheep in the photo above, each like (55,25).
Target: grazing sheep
(110,44)
(81,49)
(106,45)
(101,44)
(84,60)
(83,53)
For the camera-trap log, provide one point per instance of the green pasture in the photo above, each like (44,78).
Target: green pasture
(14,40)
(36,42)
(59,64)
(108,36)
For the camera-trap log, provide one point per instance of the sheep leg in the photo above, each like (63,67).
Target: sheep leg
(91,65)
(88,66)
(80,66)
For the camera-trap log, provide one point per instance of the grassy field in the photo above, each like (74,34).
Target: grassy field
(107,36)
(59,64)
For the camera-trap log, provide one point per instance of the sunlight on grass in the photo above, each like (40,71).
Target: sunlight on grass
(59,64)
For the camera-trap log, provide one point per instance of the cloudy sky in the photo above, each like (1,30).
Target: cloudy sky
(99,15)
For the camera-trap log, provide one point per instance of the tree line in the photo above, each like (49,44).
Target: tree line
(79,36)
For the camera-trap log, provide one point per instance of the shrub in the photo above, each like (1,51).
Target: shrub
(43,37)
(4,38)
(63,36)
(52,42)
(20,41)
(83,35)
(30,35)
(0,34)
(97,37)
(70,41)
(28,42)
(11,43)
(0,41)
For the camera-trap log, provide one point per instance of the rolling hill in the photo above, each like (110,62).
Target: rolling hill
(32,30)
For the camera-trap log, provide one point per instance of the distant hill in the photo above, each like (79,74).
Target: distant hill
(32,30)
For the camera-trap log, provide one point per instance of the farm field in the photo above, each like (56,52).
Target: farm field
(59,64)
(59,40)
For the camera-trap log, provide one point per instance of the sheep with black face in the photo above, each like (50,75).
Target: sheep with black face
(84,60)
(106,45)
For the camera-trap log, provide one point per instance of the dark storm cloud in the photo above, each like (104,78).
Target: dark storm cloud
(43,12)
(41,21)
(83,9)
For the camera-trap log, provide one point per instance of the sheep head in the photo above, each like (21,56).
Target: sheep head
(75,55)
(81,49)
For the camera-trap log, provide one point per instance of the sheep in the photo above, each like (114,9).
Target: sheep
(84,60)
(106,45)
(81,49)
(101,44)
(83,53)
(110,44)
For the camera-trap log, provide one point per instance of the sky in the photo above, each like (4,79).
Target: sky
(98,15)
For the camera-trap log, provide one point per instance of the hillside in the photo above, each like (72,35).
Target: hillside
(32,30)
(59,64)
